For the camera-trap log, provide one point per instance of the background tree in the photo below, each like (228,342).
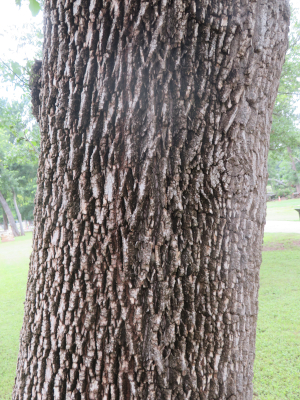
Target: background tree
(19,148)
(155,119)
(9,215)
(285,133)
(5,220)
(4,186)
(17,72)
(281,177)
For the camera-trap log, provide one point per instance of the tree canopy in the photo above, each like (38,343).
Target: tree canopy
(284,155)
(19,131)
(19,147)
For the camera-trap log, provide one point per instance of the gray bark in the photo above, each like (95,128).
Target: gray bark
(5,220)
(155,119)
(18,213)
(9,216)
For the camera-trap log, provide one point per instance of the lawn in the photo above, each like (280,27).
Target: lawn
(283,210)
(14,260)
(277,363)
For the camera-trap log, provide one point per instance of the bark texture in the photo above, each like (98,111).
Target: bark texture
(155,119)
(18,213)
(9,215)
(5,220)
(35,87)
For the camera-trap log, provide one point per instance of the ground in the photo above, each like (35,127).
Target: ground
(283,210)
(14,259)
(277,363)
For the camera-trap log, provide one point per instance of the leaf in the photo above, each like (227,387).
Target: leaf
(18,3)
(15,66)
(34,7)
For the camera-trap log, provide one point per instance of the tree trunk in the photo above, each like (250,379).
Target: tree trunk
(293,165)
(5,220)
(9,216)
(155,119)
(18,213)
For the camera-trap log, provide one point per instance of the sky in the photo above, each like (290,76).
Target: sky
(14,44)
(13,20)
(15,26)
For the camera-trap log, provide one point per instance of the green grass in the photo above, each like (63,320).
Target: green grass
(14,260)
(277,363)
(283,210)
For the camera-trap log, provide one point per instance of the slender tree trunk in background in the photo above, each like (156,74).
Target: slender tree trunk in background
(9,216)
(5,220)
(18,213)
(293,165)
(155,119)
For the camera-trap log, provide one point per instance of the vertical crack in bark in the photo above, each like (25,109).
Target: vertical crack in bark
(155,119)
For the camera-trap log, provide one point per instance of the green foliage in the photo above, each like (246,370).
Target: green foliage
(18,73)
(34,6)
(19,132)
(283,165)
(282,177)
(18,155)
(18,123)
(285,128)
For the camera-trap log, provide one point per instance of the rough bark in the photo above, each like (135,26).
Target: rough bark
(9,216)
(293,165)
(155,119)
(18,213)
(35,87)
(5,220)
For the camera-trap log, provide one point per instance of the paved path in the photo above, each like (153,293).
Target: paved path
(283,226)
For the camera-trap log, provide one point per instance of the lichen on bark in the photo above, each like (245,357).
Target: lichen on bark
(155,119)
